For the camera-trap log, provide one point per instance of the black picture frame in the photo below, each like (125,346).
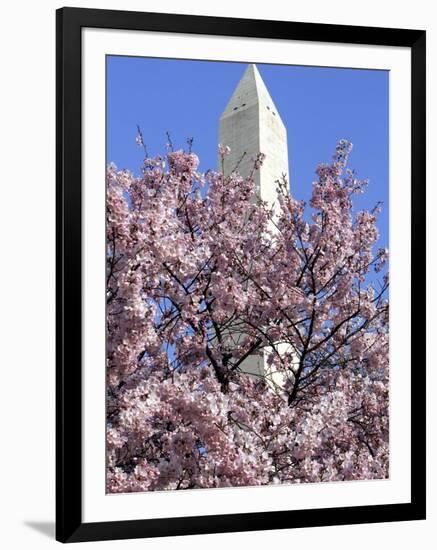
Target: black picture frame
(69,24)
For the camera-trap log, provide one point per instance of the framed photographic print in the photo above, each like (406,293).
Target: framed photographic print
(240,274)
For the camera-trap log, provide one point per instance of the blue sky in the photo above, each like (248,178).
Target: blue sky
(318,105)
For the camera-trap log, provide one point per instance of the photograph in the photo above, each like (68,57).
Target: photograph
(218,275)
(247,274)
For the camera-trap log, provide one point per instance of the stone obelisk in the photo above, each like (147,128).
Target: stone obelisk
(251,124)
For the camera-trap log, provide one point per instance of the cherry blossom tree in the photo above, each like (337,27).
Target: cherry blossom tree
(201,274)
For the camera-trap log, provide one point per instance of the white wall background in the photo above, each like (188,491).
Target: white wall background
(27,273)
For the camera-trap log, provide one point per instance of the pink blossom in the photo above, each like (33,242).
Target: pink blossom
(197,280)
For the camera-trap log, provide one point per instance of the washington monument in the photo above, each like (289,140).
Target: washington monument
(251,124)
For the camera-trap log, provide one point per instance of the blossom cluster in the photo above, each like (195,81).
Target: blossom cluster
(201,274)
